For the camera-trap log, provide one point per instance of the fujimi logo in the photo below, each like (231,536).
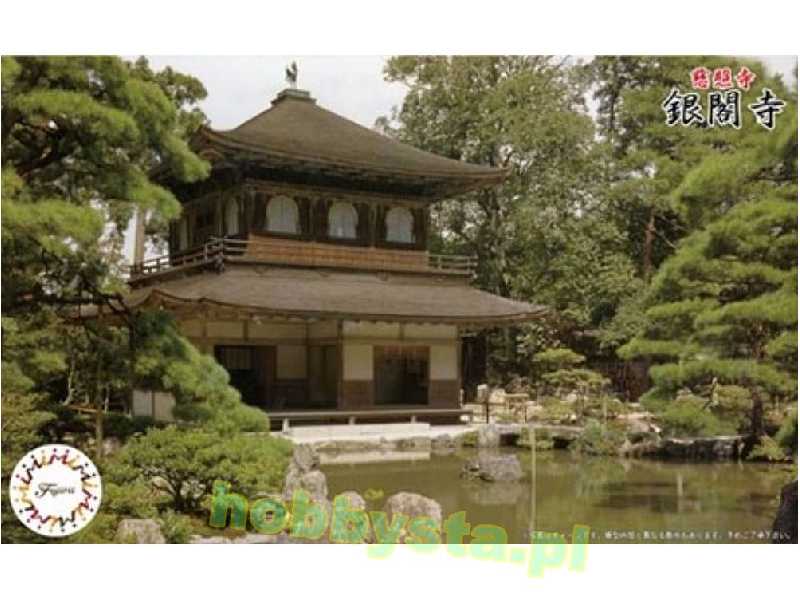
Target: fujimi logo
(55,490)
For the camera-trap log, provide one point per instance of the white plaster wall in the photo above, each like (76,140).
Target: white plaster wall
(363,329)
(193,329)
(323,329)
(445,332)
(444,362)
(358,362)
(142,403)
(225,329)
(291,362)
(164,403)
(276,330)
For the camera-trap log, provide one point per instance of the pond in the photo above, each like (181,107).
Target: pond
(622,501)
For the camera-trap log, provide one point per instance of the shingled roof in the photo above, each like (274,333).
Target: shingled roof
(296,131)
(320,294)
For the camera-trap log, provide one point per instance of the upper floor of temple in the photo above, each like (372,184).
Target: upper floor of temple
(299,185)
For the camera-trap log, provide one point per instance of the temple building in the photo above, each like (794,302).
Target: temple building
(302,264)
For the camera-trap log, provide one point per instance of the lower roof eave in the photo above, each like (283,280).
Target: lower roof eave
(162,300)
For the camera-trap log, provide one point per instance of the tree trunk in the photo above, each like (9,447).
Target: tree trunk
(757,417)
(98,427)
(647,254)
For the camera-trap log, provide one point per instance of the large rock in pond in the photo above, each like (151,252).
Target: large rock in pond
(489,436)
(784,529)
(412,505)
(303,473)
(313,482)
(139,531)
(493,467)
(304,458)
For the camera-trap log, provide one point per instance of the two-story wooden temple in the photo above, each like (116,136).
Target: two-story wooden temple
(302,264)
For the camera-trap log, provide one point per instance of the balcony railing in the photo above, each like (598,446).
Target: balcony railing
(221,250)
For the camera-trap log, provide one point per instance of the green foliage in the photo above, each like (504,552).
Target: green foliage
(183,464)
(165,360)
(782,446)
(768,449)
(723,309)
(603,405)
(599,440)
(555,359)
(177,528)
(554,410)
(123,427)
(81,137)
(690,416)
(543,236)
(469,439)
(786,437)
(132,500)
(561,378)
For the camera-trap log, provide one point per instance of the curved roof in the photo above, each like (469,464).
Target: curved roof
(307,293)
(296,129)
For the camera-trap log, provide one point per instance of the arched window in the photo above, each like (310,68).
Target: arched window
(399,225)
(282,215)
(342,221)
(231,217)
(183,233)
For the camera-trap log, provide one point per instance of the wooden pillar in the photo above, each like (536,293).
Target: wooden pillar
(138,242)
(340,400)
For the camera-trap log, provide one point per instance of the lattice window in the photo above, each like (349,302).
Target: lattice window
(282,215)
(400,225)
(342,221)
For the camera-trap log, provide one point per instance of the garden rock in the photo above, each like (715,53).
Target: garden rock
(493,467)
(413,505)
(140,531)
(489,436)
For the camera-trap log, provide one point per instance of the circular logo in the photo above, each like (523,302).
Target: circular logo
(55,490)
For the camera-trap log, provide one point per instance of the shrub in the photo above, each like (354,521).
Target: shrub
(690,416)
(768,449)
(556,411)
(733,404)
(787,434)
(599,440)
(177,528)
(123,427)
(613,407)
(469,439)
(183,464)
(134,500)
(543,440)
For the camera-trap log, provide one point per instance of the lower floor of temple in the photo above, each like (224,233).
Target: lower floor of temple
(397,370)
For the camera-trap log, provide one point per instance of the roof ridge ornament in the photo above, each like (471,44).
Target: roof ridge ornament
(291,75)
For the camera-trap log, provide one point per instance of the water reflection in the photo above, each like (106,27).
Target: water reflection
(609,495)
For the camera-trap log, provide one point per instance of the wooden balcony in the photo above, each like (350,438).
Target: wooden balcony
(269,251)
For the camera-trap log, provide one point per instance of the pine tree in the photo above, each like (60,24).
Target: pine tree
(81,139)
(723,309)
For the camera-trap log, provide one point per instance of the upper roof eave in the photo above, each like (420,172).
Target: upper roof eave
(220,140)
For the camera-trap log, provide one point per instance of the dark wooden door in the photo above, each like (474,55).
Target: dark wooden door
(252,371)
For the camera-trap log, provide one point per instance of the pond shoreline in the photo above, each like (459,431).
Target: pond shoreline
(381,442)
